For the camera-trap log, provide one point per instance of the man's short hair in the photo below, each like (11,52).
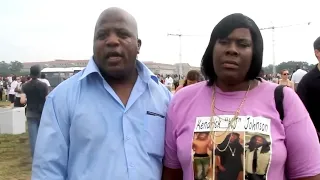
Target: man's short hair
(35,71)
(316,44)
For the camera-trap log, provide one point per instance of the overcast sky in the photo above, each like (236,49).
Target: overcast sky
(42,30)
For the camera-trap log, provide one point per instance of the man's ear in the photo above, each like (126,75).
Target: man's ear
(139,45)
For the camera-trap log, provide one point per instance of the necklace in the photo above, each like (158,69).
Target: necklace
(232,122)
(232,152)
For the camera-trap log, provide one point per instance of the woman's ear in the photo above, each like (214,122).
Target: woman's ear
(139,45)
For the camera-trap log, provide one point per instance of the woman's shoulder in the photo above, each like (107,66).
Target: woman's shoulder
(191,90)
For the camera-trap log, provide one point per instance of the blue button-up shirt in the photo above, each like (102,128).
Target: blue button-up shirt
(86,133)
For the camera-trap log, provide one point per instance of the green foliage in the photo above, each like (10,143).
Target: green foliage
(290,65)
(14,67)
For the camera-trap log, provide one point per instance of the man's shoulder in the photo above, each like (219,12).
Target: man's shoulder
(159,89)
(308,78)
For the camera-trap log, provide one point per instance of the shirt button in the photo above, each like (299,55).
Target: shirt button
(127,138)
(131,165)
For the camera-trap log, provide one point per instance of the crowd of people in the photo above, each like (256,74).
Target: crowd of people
(116,120)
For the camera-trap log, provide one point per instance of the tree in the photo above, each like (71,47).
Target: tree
(290,66)
(15,66)
(4,68)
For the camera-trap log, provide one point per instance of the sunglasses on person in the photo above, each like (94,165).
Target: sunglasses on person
(285,74)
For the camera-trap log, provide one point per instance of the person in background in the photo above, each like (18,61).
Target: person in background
(176,81)
(44,80)
(6,87)
(297,76)
(168,82)
(1,88)
(193,77)
(285,80)
(28,78)
(116,130)
(309,89)
(18,91)
(33,93)
(13,86)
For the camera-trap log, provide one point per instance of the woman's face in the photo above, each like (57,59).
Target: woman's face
(285,75)
(232,56)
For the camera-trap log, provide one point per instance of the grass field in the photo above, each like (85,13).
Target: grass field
(15,159)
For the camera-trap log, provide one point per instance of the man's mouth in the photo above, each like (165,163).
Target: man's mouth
(114,57)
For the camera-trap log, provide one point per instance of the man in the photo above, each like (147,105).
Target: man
(44,80)
(309,88)
(34,94)
(297,76)
(201,144)
(13,86)
(107,121)
(168,82)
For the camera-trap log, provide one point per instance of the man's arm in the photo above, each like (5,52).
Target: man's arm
(302,92)
(51,153)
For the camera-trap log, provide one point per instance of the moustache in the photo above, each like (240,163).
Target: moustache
(113,54)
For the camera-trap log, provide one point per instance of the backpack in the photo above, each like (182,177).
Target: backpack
(278,98)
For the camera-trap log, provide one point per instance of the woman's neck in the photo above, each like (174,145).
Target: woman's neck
(243,86)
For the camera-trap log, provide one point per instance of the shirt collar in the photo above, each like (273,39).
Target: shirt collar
(144,72)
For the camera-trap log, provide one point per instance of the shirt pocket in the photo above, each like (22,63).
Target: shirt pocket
(155,132)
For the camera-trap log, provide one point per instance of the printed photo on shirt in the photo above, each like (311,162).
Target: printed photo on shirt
(220,147)
(228,155)
(257,155)
(201,154)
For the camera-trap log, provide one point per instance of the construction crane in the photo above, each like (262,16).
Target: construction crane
(262,29)
(273,41)
(180,50)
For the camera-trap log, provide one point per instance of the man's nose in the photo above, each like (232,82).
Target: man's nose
(112,40)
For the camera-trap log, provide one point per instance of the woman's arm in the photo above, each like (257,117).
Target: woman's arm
(172,168)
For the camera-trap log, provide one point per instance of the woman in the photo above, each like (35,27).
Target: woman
(285,80)
(234,99)
(193,77)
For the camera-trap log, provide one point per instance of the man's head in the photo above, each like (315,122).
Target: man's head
(116,44)
(316,46)
(35,71)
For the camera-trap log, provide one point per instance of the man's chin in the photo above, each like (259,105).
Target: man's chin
(114,73)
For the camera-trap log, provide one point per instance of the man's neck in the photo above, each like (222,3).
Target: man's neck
(319,66)
(130,79)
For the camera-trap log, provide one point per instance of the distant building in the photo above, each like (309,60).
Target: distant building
(156,68)
(56,63)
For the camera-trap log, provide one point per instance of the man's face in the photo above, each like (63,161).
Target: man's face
(317,53)
(259,141)
(116,44)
